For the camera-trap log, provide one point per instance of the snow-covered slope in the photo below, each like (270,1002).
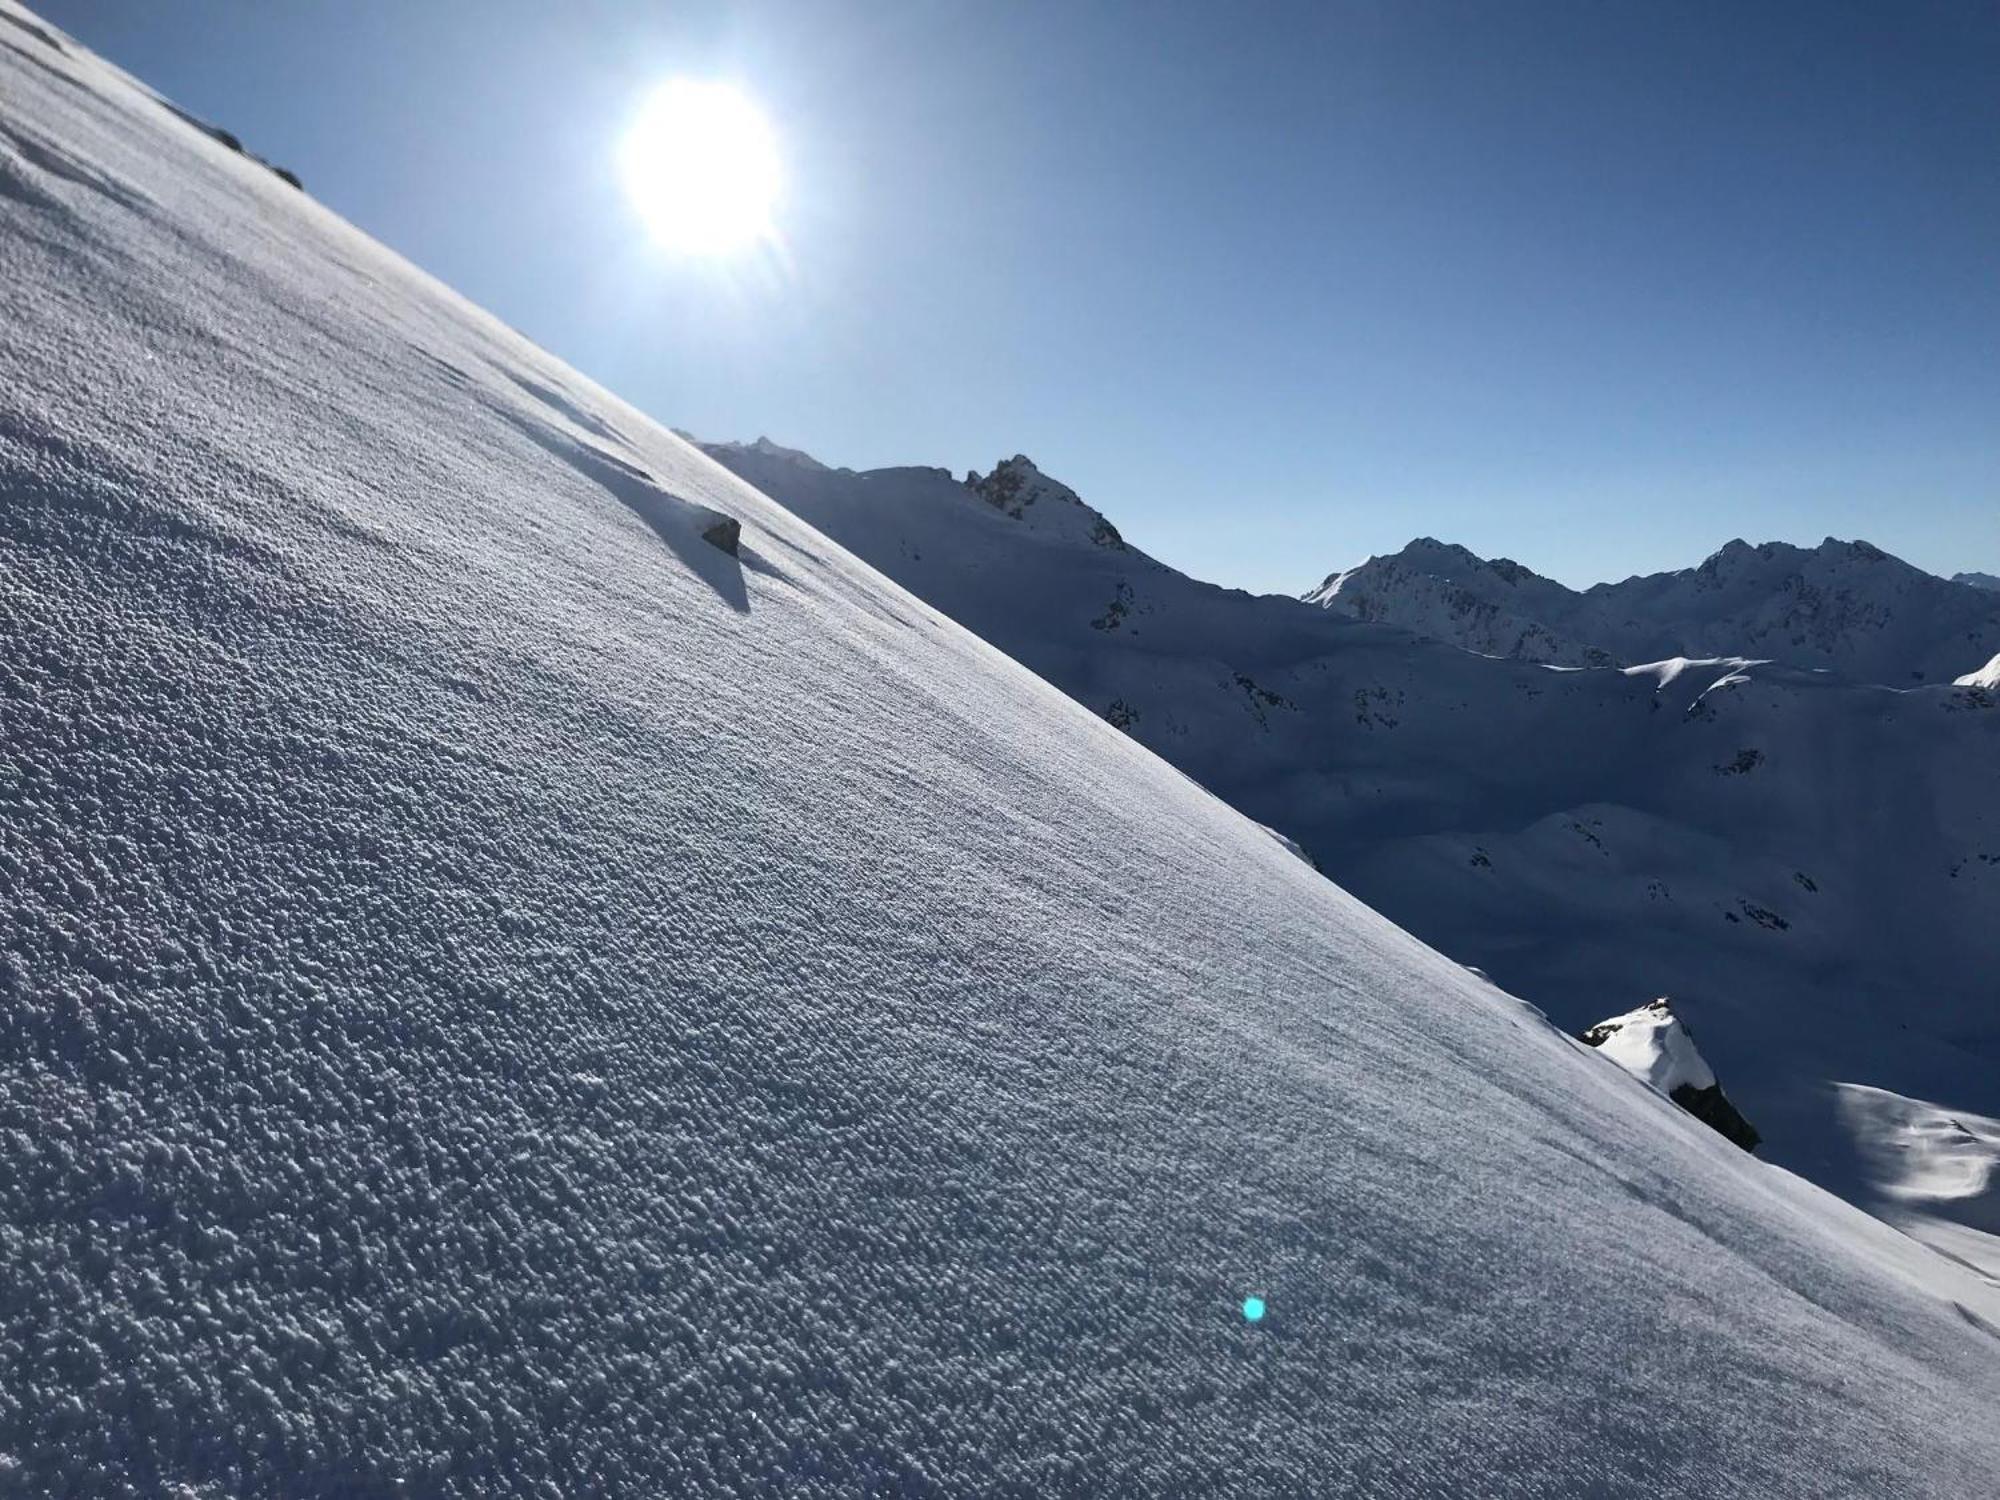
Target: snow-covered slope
(1937,1168)
(1845,607)
(506,997)
(1808,866)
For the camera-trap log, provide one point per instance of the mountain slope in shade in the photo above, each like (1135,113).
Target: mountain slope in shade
(507,997)
(1808,866)
(1844,607)
(1978,580)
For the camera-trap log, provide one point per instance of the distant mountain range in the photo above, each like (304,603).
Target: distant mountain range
(1807,863)
(1844,607)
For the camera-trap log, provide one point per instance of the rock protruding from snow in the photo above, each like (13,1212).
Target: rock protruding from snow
(1016,488)
(723,532)
(1655,1046)
(1848,607)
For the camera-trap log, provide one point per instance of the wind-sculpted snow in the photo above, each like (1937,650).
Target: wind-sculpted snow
(499,1002)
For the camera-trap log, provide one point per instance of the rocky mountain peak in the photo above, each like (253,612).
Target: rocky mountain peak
(1016,488)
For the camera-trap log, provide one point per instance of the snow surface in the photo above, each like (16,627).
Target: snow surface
(1986,678)
(506,998)
(1937,1171)
(1844,606)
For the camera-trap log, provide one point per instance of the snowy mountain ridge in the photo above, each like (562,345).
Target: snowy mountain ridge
(1846,607)
(1022,492)
(1718,828)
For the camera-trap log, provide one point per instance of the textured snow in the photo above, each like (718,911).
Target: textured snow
(1843,606)
(1653,1045)
(505,998)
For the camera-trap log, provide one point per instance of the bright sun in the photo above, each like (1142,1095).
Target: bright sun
(701,165)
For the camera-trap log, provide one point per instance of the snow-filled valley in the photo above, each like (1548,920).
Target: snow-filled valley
(515,987)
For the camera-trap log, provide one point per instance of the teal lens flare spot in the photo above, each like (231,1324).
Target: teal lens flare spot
(1253,1309)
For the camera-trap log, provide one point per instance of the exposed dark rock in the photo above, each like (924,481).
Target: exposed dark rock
(1713,1109)
(726,533)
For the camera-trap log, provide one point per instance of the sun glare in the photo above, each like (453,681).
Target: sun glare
(701,165)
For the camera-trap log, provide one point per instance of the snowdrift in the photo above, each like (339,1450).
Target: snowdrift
(504,995)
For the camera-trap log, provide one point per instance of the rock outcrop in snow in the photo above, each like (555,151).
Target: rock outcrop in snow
(1017,489)
(1656,1047)
(1847,607)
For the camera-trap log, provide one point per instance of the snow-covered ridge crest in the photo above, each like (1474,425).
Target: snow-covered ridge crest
(763,447)
(1843,606)
(1445,591)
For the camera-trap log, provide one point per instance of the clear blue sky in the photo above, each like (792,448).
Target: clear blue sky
(1594,285)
